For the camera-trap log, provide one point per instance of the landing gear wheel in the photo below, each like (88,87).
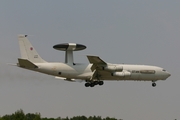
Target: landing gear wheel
(95,82)
(101,83)
(91,84)
(87,84)
(154,84)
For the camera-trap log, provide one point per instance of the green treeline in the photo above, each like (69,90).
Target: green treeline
(19,115)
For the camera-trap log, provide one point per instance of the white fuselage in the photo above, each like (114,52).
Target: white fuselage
(83,71)
(93,73)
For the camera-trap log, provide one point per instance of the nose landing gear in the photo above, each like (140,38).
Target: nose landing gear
(154,84)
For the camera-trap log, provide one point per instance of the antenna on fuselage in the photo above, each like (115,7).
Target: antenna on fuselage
(69,48)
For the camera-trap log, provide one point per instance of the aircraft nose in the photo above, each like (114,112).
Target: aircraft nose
(167,75)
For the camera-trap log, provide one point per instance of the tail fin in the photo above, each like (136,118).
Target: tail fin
(27,50)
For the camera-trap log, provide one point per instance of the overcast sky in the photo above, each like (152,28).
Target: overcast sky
(119,31)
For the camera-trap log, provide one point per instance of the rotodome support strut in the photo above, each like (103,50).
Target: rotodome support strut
(69,48)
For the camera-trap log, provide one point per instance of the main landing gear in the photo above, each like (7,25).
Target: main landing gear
(92,84)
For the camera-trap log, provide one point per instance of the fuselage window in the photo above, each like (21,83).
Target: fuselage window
(147,71)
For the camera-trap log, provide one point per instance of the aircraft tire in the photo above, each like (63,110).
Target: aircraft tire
(87,84)
(100,82)
(95,82)
(154,84)
(92,84)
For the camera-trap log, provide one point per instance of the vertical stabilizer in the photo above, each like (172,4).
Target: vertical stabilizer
(27,50)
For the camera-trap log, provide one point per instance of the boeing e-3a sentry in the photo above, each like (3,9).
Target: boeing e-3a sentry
(94,73)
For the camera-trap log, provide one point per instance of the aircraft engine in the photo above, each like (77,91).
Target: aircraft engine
(113,68)
(121,74)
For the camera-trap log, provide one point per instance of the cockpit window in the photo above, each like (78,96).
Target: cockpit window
(164,70)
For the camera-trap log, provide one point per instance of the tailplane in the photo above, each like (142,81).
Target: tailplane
(26,64)
(27,50)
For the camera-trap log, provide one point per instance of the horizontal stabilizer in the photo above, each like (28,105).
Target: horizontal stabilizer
(12,64)
(26,64)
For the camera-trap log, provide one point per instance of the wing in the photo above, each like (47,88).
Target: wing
(97,66)
(96,61)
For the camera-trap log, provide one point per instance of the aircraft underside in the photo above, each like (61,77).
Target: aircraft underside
(100,78)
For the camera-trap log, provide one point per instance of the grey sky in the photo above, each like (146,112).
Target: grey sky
(119,31)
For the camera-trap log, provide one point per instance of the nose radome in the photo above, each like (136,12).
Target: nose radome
(169,74)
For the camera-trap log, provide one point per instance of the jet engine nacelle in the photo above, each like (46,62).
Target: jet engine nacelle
(113,68)
(121,74)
